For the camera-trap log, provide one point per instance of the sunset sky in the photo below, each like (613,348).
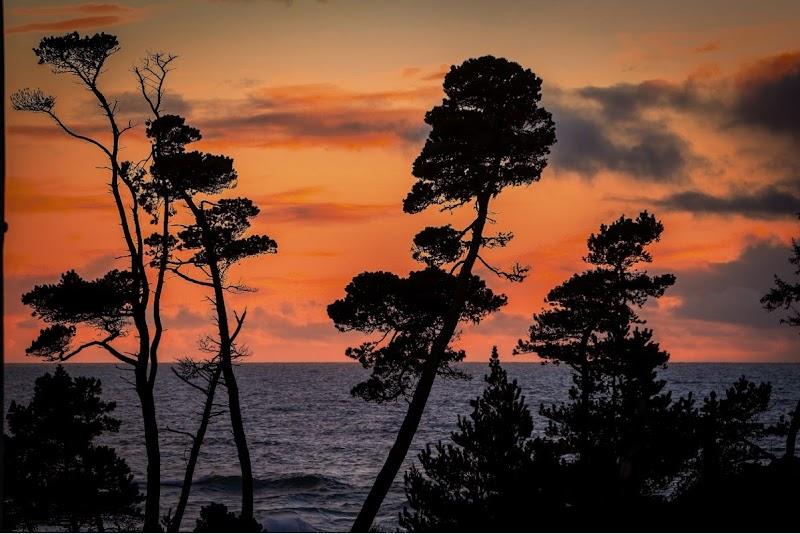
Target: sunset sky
(688,109)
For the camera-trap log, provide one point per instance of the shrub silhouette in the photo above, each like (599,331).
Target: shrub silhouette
(494,474)
(215,517)
(55,475)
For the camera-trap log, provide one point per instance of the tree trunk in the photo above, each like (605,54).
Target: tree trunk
(234,407)
(152,500)
(416,407)
(791,437)
(175,522)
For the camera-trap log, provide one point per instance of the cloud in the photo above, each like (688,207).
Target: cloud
(625,127)
(281,327)
(82,16)
(644,150)
(188,319)
(131,105)
(73,8)
(299,205)
(769,202)
(708,46)
(502,323)
(730,292)
(320,115)
(26,200)
(767,94)
(328,212)
(762,94)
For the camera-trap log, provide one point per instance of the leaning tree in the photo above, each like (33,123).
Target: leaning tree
(110,304)
(489,133)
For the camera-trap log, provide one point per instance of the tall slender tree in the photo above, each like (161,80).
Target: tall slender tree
(205,250)
(489,133)
(111,303)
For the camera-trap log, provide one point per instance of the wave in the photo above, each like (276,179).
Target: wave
(289,482)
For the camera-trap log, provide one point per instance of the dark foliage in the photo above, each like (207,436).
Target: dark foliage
(54,473)
(493,478)
(82,56)
(408,312)
(488,133)
(105,303)
(215,517)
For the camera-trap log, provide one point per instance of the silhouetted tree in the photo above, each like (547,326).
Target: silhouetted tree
(215,517)
(786,296)
(494,478)
(617,420)
(488,133)
(98,304)
(209,247)
(55,475)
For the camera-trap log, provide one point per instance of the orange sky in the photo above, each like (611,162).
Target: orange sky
(670,108)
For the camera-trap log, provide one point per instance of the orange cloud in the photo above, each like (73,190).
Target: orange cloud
(297,116)
(709,46)
(68,9)
(22,198)
(296,205)
(84,16)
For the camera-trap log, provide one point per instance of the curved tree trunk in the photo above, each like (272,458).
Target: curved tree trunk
(197,442)
(416,408)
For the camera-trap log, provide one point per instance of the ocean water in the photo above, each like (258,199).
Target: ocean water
(315,449)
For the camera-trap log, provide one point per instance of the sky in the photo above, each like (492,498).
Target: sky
(687,109)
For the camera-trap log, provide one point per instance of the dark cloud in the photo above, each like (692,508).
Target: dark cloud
(768,94)
(730,292)
(766,203)
(763,94)
(589,144)
(627,101)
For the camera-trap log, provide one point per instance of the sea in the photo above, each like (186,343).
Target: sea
(316,449)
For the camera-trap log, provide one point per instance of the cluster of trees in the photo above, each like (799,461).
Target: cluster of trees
(198,238)
(619,448)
